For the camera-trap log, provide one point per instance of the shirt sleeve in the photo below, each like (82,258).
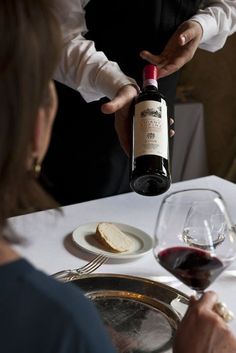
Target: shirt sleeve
(82,67)
(218,20)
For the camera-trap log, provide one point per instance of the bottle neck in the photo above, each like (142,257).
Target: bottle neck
(150,82)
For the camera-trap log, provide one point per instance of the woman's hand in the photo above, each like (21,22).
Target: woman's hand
(202,330)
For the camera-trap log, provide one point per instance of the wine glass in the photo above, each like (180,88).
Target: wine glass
(195,239)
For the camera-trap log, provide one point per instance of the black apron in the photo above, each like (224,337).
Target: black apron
(85,160)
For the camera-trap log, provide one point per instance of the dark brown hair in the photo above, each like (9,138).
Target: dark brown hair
(29,51)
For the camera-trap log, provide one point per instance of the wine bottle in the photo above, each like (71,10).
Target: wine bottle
(150,169)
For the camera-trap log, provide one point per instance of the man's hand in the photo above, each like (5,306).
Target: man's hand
(121,105)
(178,51)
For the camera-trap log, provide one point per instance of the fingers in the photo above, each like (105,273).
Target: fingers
(209,306)
(164,68)
(158,60)
(171,60)
(203,308)
(178,51)
(168,70)
(113,106)
(193,30)
(121,105)
(186,37)
(172,132)
(176,60)
(124,97)
(204,304)
(208,300)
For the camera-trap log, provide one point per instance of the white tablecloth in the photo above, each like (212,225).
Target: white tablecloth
(189,158)
(48,243)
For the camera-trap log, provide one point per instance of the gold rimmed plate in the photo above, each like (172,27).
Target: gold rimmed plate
(140,315)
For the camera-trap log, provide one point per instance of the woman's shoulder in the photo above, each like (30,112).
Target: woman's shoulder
(64,295)
(80,313)
(43,289)
(59,308)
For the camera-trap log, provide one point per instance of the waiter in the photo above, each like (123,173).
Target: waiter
(102,62)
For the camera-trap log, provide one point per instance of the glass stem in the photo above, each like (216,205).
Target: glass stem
(199,293)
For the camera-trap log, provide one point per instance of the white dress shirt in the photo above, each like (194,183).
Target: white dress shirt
(89,71)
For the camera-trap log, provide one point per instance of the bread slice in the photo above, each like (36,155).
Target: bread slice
(109,235)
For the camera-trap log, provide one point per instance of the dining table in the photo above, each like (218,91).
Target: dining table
(45,237)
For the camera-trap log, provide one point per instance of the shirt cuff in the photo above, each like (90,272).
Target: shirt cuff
(110,79)
(209,26)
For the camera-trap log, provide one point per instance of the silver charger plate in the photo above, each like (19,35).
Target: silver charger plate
(141,315)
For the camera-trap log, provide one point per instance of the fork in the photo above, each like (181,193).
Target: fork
(76,273)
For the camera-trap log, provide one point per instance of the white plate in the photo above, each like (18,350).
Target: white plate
(84,237)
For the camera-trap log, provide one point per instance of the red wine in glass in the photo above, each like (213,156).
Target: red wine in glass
(195,238)
(194,267)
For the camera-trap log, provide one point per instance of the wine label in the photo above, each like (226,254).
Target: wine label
(150,129)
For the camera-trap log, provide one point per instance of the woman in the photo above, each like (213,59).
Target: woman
(38,314)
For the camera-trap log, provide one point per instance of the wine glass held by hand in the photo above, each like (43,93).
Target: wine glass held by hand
(195,239)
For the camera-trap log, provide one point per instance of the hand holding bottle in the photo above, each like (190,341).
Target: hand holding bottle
(179,50)
(121,105)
